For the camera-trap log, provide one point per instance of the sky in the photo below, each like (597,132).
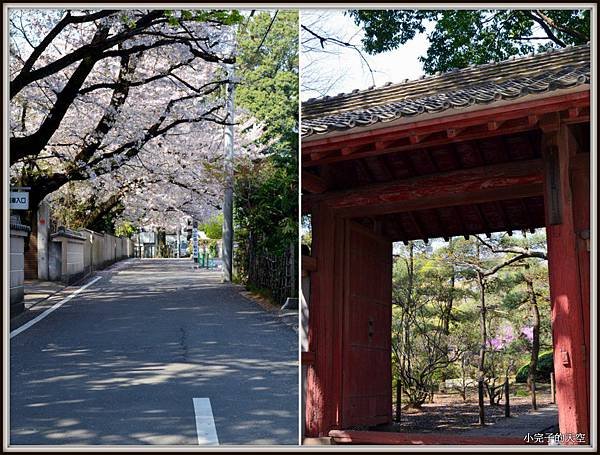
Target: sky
(341,69)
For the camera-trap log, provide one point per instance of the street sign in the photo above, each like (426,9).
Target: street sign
(195,241)
(19,200)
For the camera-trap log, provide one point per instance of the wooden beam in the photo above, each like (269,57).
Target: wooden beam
(418,228)
(316,156)
(494,125)
(550,122)
(533,119)
(552,187)
(484,224)
(313,183)
(307,358)
(418,138)
(465,186)
(388,168)
(569,291)
(395,438)
(320,390)
(574,112)
(454,132)
(364,167)
(434,141)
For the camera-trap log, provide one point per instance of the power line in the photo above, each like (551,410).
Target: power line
(267,32)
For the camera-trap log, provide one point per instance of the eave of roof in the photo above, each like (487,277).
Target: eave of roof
(481,85)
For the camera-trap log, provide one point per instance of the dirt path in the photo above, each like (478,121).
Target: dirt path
(449,413)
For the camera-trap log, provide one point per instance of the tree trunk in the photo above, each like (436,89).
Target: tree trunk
(398,398)
(535,344)
(482,325)
(482,349)
(446,314)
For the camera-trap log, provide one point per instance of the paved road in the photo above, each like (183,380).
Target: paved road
(122,361)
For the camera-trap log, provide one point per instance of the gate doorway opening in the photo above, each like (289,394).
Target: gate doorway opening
(384,166)
(450,300)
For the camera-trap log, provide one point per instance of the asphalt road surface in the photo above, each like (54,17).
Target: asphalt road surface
(122,361)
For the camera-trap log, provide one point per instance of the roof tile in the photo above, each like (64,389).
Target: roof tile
(480,84)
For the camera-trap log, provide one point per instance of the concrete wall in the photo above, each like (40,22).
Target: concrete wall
(75,254)
(18,233)
(97,250)
(43,221)
(54,261)
(71,256)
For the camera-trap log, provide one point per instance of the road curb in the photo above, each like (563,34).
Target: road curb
(283,316)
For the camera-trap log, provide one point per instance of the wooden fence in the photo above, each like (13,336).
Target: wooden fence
(277,274)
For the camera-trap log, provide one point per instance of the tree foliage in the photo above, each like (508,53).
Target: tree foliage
(437,316)
(213,228)
(266,188)
(463,37)
(268,65)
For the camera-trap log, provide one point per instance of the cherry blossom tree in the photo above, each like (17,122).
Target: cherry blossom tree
(122,107)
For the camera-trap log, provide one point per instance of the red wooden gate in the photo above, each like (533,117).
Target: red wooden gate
(366,343)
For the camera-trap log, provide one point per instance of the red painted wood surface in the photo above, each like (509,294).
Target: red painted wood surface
(367,315)
(568,268)
(477,185)
(322,394)
(313,183)
(580,178)
(568,310)
(307,358)
(389,438)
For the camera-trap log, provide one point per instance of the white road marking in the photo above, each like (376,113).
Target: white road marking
(205,422)
(24,327)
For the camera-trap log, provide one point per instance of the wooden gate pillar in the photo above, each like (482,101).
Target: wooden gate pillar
(322,397)
(567,213)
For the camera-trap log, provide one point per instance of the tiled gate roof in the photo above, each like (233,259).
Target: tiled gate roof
(555,69)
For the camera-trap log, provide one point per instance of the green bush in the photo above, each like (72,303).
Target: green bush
(545,366)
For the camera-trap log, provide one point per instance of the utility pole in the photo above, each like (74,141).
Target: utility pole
(228,202)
